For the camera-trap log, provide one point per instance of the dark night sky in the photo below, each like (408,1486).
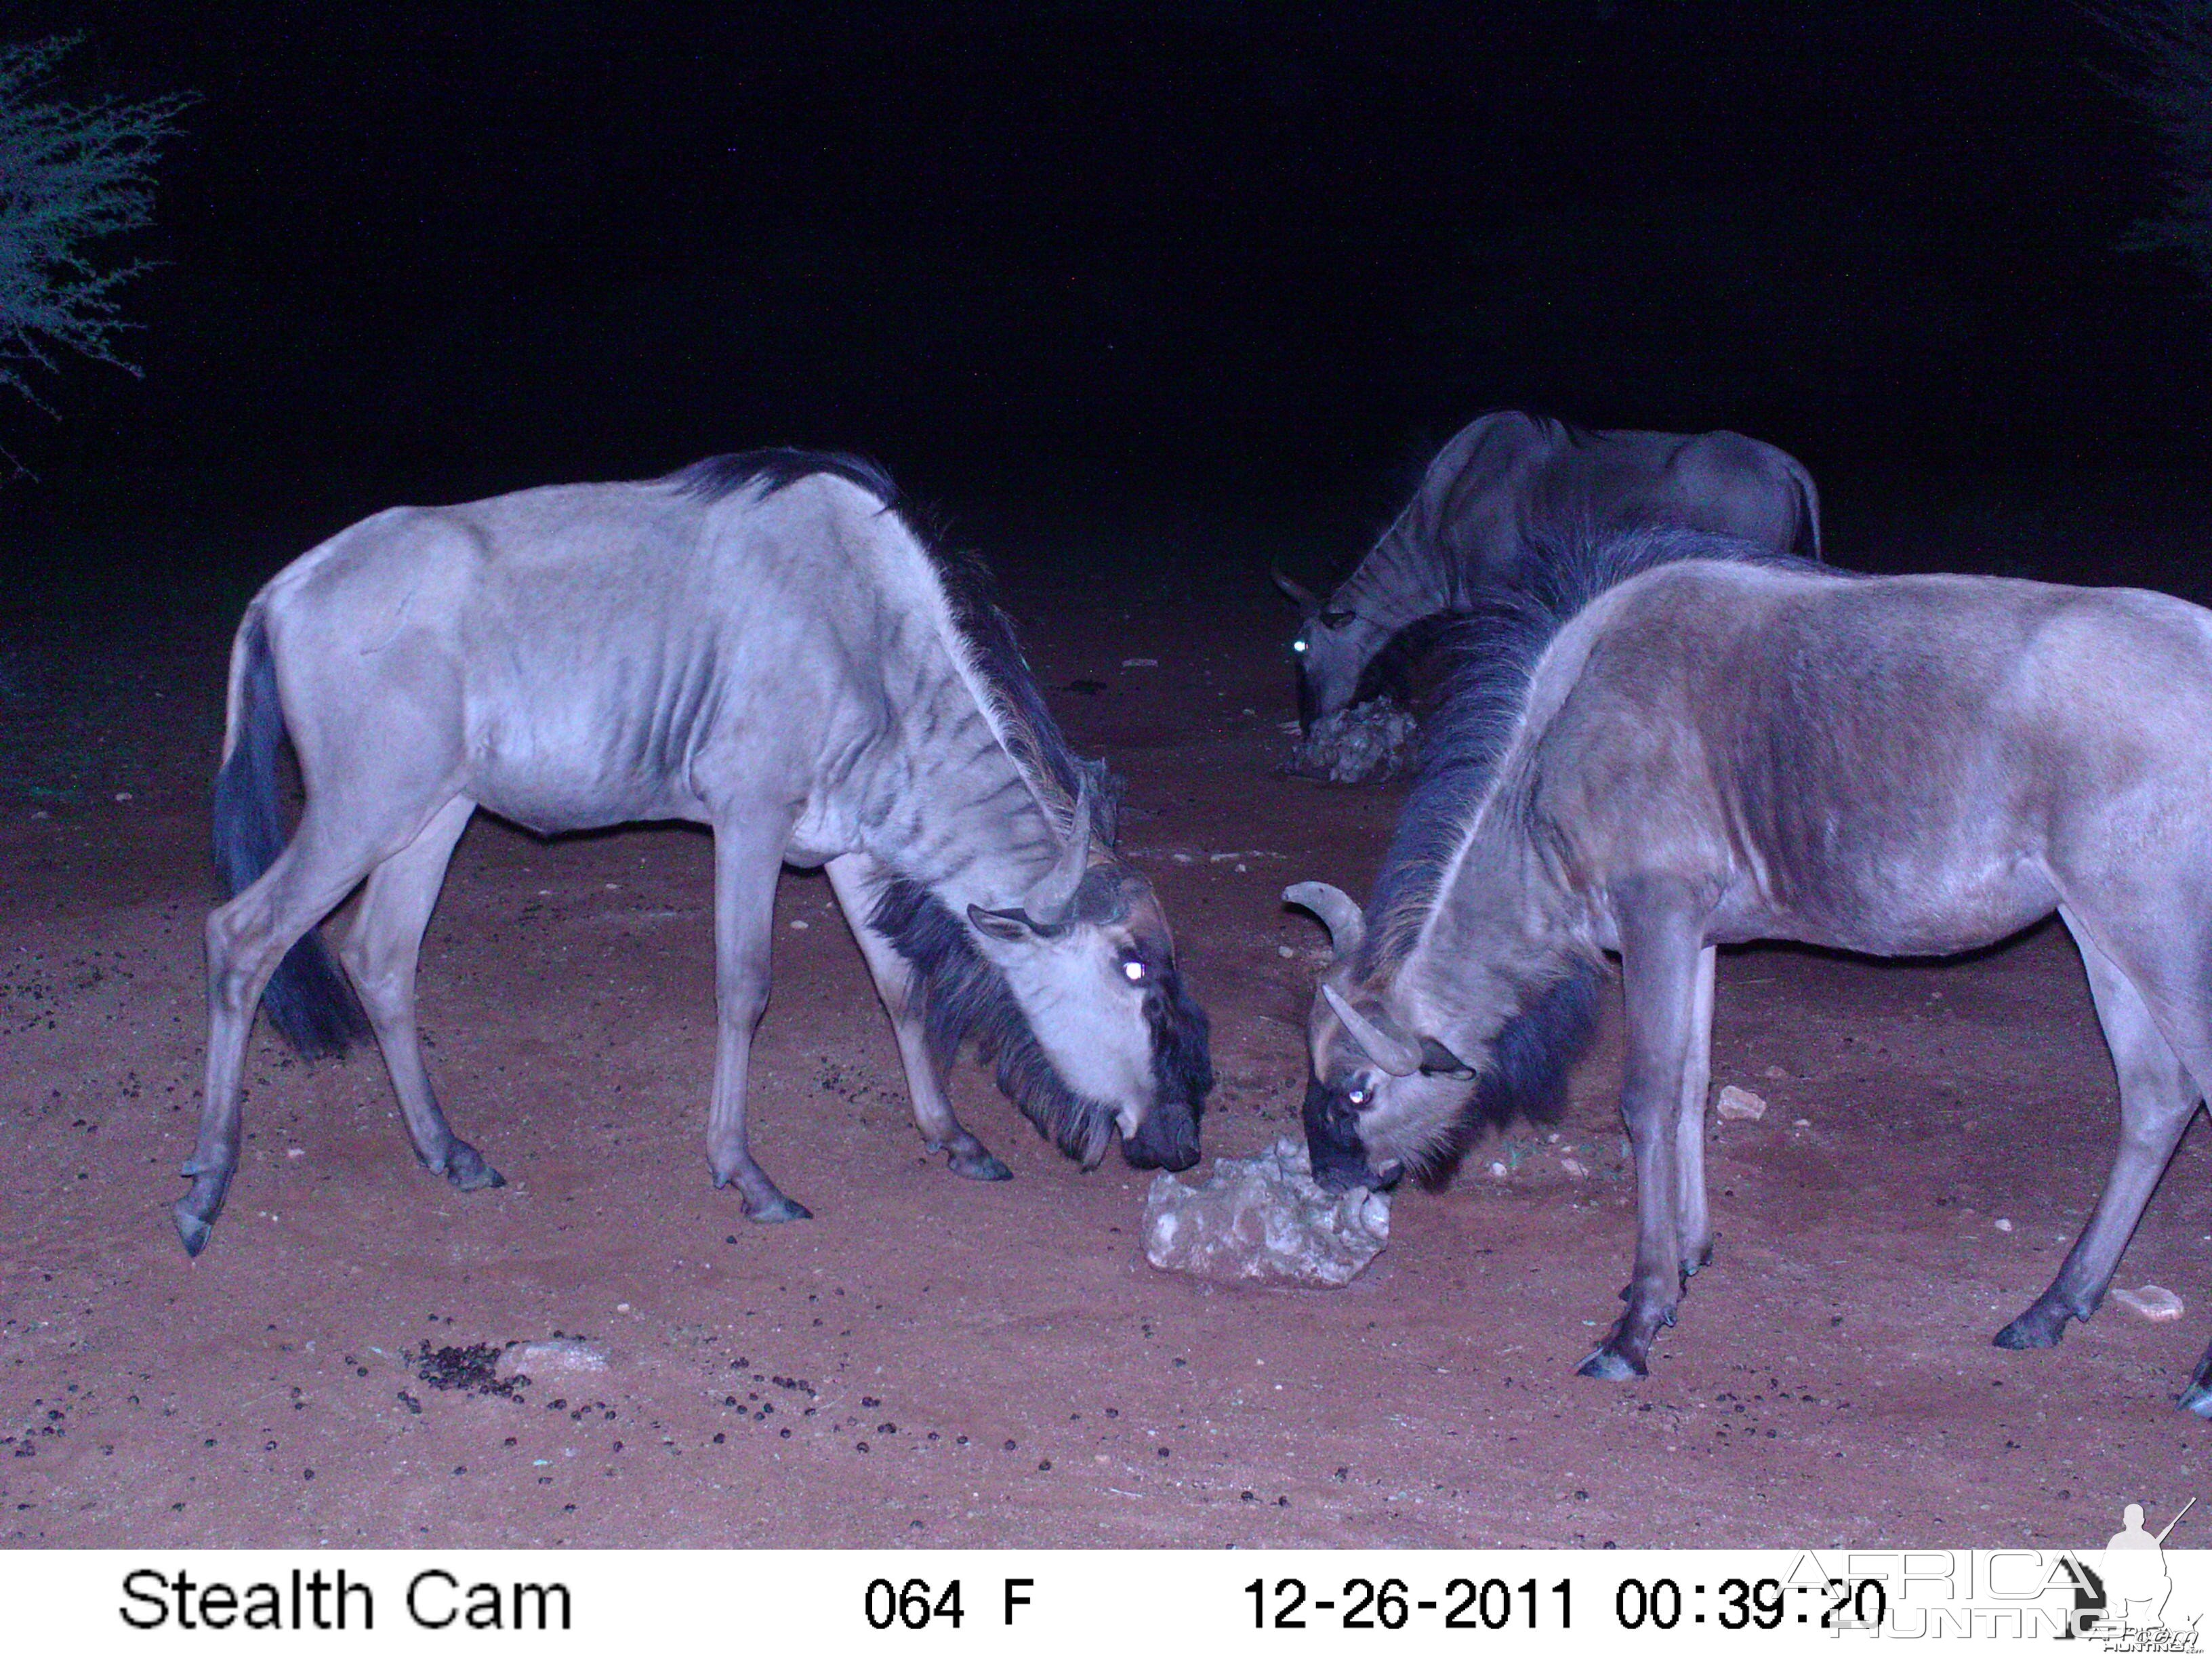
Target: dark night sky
(1281,248)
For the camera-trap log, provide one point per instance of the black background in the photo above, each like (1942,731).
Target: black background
(1062,257)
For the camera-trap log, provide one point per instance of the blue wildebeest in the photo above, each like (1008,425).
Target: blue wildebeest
(1675,744)
(758,643)
(1509,483)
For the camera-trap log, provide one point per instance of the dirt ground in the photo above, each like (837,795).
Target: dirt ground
(939,1362)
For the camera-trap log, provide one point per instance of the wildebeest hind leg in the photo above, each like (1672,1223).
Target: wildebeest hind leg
(246,939)
(748,856)
(379,952)
(2156,1101)
(1660,956)
(852,878)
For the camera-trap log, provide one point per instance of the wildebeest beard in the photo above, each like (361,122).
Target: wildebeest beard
(959,993)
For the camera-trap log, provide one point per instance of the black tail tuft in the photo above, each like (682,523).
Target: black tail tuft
(308,999)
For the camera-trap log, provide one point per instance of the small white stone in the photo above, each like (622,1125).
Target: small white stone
(2153,1302)
(1285,952)
(799,926)
(1498,1171)
(622,1307)
(1573,1168)
(1801,1123)
(1739,1104)
(1140,662)
(2002,1225)
(559,1353)
(296,1152)
(124,795)
(1775,1074)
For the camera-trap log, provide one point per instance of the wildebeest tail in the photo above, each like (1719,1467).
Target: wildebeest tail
(307,998)
(1807,545)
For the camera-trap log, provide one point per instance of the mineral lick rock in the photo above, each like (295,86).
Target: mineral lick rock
(1264,1219)
(1369,740)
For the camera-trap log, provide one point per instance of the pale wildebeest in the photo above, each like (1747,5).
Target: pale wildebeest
(758,643)
(1675,745)
(1509,485)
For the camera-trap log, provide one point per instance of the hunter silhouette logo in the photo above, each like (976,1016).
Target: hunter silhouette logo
(2121,1601)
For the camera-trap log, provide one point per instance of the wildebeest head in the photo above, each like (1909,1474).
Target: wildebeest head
(1380,1101)
(1333,647)
(1089,963)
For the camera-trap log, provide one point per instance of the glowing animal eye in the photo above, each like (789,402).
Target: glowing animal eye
(1358,1096)
(1298,645)
(1134,971)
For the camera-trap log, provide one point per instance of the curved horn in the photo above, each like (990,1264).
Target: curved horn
(1347,927)
(1393,1054)
(1303,598)
(1050,898)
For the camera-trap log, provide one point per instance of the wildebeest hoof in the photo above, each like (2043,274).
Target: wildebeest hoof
(466,1169)
(2039,1328)
(778,1208)
(1606,1367)
(979,1166)
(192,1229)
(2197,1398)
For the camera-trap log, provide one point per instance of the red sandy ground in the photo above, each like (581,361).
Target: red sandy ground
(939,1362)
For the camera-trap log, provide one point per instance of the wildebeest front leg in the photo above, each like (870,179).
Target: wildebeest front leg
(748,855)
(852,879)
(1691,1215)
(1660,954)
(380,951)
(2157,1099)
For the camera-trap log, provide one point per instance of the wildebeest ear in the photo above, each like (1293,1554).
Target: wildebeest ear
(1436,1061)
(1011,927)
(1300,597)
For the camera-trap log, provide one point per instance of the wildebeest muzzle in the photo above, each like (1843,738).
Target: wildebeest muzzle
(1166,1139)
(1339,1162)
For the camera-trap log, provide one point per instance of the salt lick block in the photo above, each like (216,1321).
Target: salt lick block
(1369,740)
(1264,1219)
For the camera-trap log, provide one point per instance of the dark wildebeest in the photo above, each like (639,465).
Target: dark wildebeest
(1676,745)
(1512,483)
(758,643)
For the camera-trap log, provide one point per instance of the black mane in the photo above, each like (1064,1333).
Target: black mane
(1038,746)
(1490,651)
(719,477)
(1033,736)
(959,993)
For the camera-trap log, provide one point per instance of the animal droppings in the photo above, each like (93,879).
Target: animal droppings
(1264,1219)
(564,1353)
(2153,1302)
(1368,741)
(1739,1104)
